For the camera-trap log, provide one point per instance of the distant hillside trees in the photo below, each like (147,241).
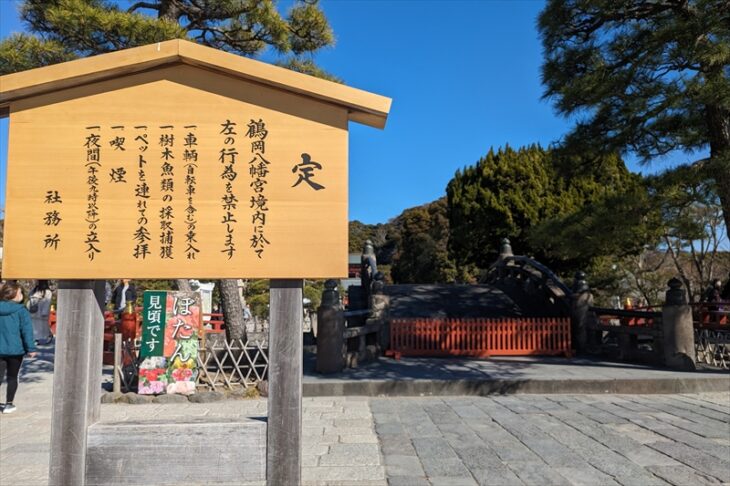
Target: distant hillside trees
(422,237)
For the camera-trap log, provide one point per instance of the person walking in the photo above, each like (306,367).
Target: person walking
(16,339)
(39,306)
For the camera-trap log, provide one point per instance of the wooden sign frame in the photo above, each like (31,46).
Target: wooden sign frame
(317,110)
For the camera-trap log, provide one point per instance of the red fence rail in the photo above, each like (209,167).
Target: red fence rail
(480,337)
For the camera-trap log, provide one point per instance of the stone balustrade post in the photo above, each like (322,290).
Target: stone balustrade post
(330,331)
(580,313)
(380,307)
(678,330)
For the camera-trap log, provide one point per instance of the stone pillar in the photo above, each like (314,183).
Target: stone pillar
(679,338)
(380,307)
(505,249)
(580,313)
(330,331)
(368,269)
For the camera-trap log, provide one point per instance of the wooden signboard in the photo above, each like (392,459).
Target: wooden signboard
(175,160)
(178,171)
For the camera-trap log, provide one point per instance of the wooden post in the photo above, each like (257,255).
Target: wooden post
(118,362)
(284,435)
(76,377)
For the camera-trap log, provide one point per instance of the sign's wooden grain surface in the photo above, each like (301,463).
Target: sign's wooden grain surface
(102,182)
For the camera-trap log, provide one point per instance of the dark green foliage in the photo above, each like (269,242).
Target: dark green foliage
(256,293)
(78,28)
(500,196)
(422,245)
(382,235)
(616,225)
(643,76)
(511,193)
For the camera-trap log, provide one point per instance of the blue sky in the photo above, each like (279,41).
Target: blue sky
(464,76)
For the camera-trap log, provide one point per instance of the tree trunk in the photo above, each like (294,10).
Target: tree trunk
(232,309)
(720,170)
(718,122)
(183,285)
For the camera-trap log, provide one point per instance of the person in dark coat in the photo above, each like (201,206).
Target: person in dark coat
(123,293)
(16,339)
(725,294)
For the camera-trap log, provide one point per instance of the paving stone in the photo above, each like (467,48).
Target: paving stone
(316,440)
(408,481)
(396,444)
(348,454)
(709,446)
(704,429)
(479,457)
(696,459)
(359,439)
(437,447)
(355,423)
(354,448)
(312,430)
(682,475)
(499,475)
(538,474)
(350,473)
(400,465)
(639,434)
(422,430)
(309,460)
(348,430)
(585,476)
(452,481)
(385,418)
(469,412)
(444,467)
(389,429)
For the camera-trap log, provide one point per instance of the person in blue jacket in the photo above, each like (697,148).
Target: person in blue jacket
(16,339)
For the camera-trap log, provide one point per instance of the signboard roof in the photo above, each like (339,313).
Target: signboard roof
(176,160)
(364,107)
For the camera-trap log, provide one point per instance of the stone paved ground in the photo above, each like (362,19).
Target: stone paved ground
(504,440)
(641,440)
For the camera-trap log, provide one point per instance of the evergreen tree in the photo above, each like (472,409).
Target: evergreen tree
(422,245)
(645,76)
(501,196)
(512,193)
(62,30)
(67,29)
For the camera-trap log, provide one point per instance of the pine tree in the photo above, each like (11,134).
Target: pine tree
(644,76)
(67,29)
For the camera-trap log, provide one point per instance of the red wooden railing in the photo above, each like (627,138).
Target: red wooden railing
(711,315)
(479,337)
